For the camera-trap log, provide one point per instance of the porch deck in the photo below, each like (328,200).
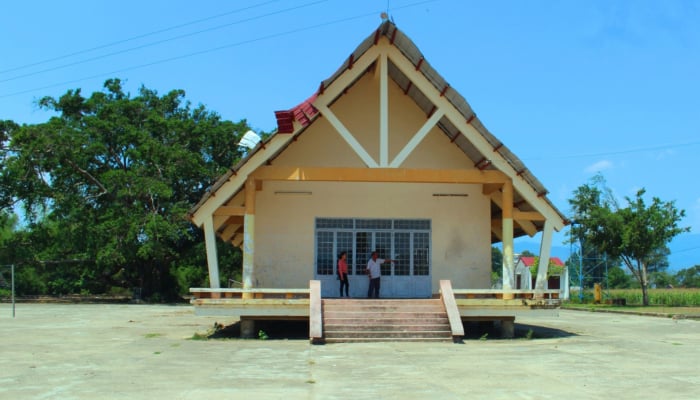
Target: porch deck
(306,304)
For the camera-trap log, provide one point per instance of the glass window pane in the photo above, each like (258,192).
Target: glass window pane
(373,224)
(325,259)
(382,245)
(363,248)
(412,224)
(330,223)
(402,253)
(344,243)
(421,253)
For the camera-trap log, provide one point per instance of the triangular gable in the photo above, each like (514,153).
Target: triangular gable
(445,108)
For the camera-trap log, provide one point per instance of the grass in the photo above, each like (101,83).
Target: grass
(152,335)
(657,297)
(689,312)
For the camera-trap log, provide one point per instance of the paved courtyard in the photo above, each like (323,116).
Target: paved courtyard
(62,351)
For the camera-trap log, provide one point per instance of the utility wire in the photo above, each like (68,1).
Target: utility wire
(136,37)
(213,49)
(611,153)
(160,41)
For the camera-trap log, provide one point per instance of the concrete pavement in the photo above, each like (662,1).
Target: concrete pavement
(82,351)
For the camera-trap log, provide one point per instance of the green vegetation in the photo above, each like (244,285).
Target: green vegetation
(637,234)
(105,186)
(660,297)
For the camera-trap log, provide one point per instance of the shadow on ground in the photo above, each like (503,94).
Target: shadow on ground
(299,330)
(269,330)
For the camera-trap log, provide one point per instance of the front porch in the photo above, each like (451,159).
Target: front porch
(456,306)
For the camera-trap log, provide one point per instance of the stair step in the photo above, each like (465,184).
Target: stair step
(384,309)
(388,315)
(393,328)
(388,339)
(372,320)
(387,334)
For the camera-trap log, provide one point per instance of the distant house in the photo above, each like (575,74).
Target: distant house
(557,277)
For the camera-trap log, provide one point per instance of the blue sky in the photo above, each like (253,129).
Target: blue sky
(572,87)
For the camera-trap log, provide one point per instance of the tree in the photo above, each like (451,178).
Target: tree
(637,234)
(496,265)
(106,186)
(689,277)
(618,279)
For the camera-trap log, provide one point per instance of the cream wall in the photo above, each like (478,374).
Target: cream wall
(358,110)
(284,227)
(284,223)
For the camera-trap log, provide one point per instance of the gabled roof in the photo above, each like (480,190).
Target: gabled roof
(294,121)
(530,261)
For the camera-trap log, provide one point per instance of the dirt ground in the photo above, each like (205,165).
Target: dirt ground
(89,351)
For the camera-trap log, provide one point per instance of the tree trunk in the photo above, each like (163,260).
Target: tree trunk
(645,294)
(645,284)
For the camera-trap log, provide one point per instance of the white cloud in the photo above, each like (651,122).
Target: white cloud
(599,167)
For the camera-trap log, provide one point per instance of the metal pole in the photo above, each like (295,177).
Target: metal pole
(580,270)
(13,289)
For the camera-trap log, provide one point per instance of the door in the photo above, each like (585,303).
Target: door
(406,241)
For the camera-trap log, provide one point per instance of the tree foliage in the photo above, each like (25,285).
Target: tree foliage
(689,277)
(106,184)
(637,234)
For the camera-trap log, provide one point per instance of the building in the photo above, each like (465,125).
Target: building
(385,155)
(557,277)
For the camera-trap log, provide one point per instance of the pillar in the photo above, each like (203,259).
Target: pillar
(507,209)
(248,325)
(212,257)
(545,255)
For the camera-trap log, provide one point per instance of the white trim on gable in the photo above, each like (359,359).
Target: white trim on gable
(420,82)
(417,138)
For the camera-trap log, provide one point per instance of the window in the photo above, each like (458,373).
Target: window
(407,241)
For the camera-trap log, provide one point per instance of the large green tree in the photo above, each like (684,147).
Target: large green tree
(637,234)
(106,185)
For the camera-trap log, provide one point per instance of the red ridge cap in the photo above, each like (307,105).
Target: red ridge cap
(302,113)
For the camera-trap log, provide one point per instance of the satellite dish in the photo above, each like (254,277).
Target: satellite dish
(250,139)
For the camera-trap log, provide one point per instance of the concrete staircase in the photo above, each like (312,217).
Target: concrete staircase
(379,320)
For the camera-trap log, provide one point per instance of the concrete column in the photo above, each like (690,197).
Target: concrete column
(212,257)
(545,255)
(507,235)
(248,325)
(508,328)
(249,235)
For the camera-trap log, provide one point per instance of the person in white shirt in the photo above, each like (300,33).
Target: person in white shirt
(374,271)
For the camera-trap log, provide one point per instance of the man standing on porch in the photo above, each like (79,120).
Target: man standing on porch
(374,271)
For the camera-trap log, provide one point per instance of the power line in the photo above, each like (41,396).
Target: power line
(611,153)
(684,250)
(136,37)
(293,31)
(160,42)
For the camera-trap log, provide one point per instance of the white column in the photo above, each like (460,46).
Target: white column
(507,209)
(545,254)
(212,257)
(249,234)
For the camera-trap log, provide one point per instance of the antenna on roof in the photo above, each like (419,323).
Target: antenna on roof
(250,139)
